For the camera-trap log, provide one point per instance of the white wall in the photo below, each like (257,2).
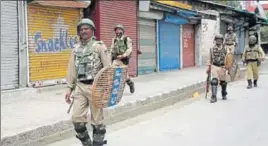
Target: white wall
(208,32)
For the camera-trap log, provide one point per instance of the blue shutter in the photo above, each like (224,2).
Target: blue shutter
(169,46)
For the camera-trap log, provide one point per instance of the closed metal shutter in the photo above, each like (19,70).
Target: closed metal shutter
(169,46)
(188,36)
(9,45)
(147,60)
(119,12)
(52,35)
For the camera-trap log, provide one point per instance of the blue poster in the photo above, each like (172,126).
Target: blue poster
(115,87)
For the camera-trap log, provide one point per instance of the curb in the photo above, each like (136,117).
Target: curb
(64,129)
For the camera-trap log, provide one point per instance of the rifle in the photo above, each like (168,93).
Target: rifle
(209,75)
(208,81)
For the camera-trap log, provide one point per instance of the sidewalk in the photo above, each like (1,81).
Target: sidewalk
(34,113)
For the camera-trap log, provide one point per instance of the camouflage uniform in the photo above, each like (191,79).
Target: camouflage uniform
(230,41)
(252,56)
(218,71)
(85,62)
(122,46)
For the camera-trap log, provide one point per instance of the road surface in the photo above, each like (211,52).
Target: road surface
(242,120)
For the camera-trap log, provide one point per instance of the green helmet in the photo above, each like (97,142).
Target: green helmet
(219,36)
(252,39)
(119,26)
(86,21)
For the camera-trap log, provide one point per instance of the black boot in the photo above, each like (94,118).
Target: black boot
(213,99)
(131,86)
(214,84)
(82,134)
(99,132)
(255,83)
(249,84)
(224,90)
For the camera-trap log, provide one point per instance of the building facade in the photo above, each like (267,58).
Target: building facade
(106,19)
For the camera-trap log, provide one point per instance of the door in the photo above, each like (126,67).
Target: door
(9,45)
(147,60)
(169,46)
(188,45)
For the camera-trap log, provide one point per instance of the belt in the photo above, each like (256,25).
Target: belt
(252,60)
(218,65)
(88,82)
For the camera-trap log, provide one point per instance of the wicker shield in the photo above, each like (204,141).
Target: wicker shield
(232,66)
(108,86)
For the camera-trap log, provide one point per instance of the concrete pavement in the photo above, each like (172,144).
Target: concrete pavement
(32,114)
(239,121)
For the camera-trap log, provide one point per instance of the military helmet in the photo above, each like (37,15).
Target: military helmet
(230,28)
(218,36)
(252,39)
(121,26)
(87,22)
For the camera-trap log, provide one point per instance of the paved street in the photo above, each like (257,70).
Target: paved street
(239,121)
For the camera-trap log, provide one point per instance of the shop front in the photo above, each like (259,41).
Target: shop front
(51,36)
(169,41)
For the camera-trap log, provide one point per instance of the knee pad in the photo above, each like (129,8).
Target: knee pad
(99,129)
(129,82)
(223,83)
(80,127)
(82,133)
(214,82)
(98,135)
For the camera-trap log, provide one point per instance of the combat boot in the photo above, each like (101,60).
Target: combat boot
(131,86)
(249,84)
(213,99)
(223,90)
(255,83)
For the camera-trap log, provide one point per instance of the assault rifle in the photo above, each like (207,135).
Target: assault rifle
(208,81)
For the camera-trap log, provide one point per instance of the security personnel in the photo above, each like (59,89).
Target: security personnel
(230,40)
(217,68)
(87,59)
(121,51)
(252,56)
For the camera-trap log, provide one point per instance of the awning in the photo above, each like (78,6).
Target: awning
(68,4)
(190,16)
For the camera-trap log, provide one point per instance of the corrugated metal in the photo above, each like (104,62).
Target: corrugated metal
(188,45)
(120,12)
(9,45)
(52,34)
(169,46)
(147,39)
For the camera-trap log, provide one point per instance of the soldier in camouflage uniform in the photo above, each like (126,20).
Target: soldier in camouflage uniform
(87,59)
(230,40)
(217,68)
(252,56)
(121,51)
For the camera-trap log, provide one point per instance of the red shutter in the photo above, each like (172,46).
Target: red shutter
(188,45)
(119,12)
